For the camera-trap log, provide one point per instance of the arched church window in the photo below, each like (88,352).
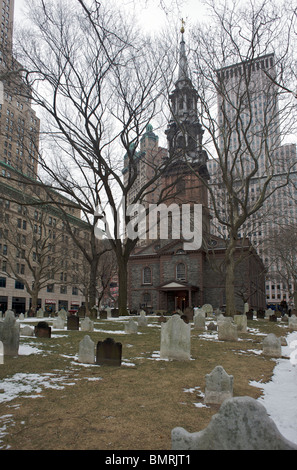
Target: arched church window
(181,272)
(147,275)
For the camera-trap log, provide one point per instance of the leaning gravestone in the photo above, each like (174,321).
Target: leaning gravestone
(86,351)
(242,423)
(272,346)
(87,324)
(42,330)
(109,353)
(241,323)
(227,331)
(218,386)
(10,334)
(72,322)
(175,339)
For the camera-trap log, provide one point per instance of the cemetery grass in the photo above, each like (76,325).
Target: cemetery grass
(132,407)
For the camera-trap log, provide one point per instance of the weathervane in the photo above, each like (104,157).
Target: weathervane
(182,28)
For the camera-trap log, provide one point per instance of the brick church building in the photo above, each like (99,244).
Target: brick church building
(162,274)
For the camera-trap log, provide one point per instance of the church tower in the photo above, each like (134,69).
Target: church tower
(184,133)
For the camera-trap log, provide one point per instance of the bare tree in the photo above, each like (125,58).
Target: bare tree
(244,113)
(99,83)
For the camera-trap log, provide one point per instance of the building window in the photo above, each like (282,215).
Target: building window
(147,275)
(50,288)
(63,290)
(2,281)
(181,272)
(74,290)
(19,285)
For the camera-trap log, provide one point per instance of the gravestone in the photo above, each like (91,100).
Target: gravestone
(189,312)
(273,317)
(27,331)
(72,322)
(114,312)
(199,321)
(81,312)
(1,353)
(103,315)
(40,313)
(241,323)
(131,327)
(212,326)
(292,323)
(42,330)
(108,310)
(184,318)
(162,319)
(142,320)
(227,331)
(87,324)
(63,314)
(21,316)
(58,323)
(10,334)
(242,423)
(208,309)
(218,386)
(175,339)
(260,313)
(86,351)
(250,315)
(109,353)
(272,346)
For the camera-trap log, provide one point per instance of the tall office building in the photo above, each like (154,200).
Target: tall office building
(250,138)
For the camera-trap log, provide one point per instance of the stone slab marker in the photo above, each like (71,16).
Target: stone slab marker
(175,339)
(218,386)
(42,330)
(131,327)
(292,323)
(109,353)
(86,351)
(272,346)
(87,324)
(199,321)
(1,353)
(241,323)
(242,423)
(10,334)
(72,322)
(227,331)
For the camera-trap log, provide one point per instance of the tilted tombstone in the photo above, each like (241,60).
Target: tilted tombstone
(42,330)
(199,321)
(227,331)
(272,346)
(242,423)
(87,324)
(218,386)
(109,353)
(131,326)
(241,323)
(72,322)
(86,351)
(10,334)
(175,339)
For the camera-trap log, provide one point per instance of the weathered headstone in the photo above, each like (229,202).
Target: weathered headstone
(10,334)
(241,323)
(109,353)
(21,316)
(208,309)
(72,322)
(142,320)
(261,313)
(242,423)
(103,315)
(42,330)
(86,351)
(27,331)
(273,317)
(58,323)
(63,314)
(40,313)
(87,324)
(1,353)
(199,321)
(175,339)
(218,386)
(272,346)
(114,312)
(131,327)
(292,323)
(212,326)
(189,312)
(227,331)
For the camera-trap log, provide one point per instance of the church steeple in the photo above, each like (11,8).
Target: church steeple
(184,131)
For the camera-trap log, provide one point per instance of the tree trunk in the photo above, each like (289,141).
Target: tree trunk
(230,279)
(34,296)
(123,286)
(92,290)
